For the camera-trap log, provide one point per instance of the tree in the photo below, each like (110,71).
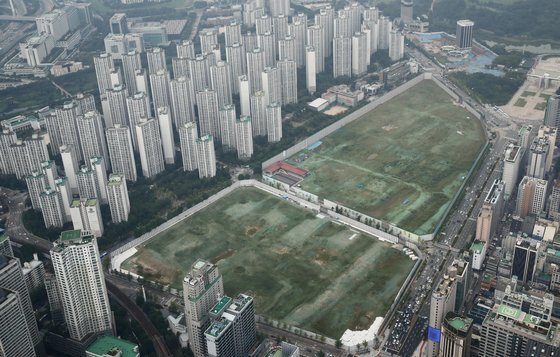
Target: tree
(338,343)
(320,353)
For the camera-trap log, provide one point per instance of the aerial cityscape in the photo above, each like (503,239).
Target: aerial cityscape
(278,178)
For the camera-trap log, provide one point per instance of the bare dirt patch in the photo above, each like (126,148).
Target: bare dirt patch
(372,157)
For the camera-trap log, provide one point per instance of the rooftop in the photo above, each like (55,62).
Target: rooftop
(458,324)
(477,246)
(220,305)
(511,153)
(70,235)
(105,345)
(217,327)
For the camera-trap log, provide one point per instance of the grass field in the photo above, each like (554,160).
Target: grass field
(520,103)
(303,270)
(402,162)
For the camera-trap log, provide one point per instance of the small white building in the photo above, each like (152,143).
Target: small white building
(319,104)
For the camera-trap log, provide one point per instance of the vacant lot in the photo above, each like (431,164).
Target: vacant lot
(303,270)
(402,162)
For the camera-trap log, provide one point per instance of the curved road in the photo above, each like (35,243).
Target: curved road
(17,233)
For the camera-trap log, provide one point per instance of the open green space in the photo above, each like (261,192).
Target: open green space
(106,8)
(520,103)
(402,162)
(541,106)
(301,269)
(528,94)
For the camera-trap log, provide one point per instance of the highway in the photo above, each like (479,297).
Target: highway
(457,233)
(14,229)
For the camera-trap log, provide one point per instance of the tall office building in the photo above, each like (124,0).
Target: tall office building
(272,84)
(11,278)
(237,59)
(385,26)
(206,156)
(199,68)
(244,137)
(182,101)
(15,339)
(167,139)
(524,264)
(116,101)
(85,102)
(52,208)
(62,128)
(538,158)
(263,24)
(118,24)
(447,296)
(156,60)
(63,187)
(201,288)
(456,335)
(554,201)
(70,165)
(207,104)
(150,147)
(103,66)
(287,48)
(180,66)
(552,113)
(27,155)
(233,330)
(36,183)
(5,245)
(298,29)
(227,117)
(464,34)
(98,166)
(310,69)
(491,212)
(188,135)
(359,54)
(119,144)
(510,173)
(50,171)
(131,62)
(119,203)
(138,107)
(244,95)
(326,18)
(396,45)
(273,122)
(258,113)
(520,325)
(267,42)
(342,57)
(159,83)
(208,39)
(221,80)
(233,33)
(92,136)
(86,216)
(316,38)
(531,196)
(279,7)
(87,183)
(288,76)
(185,49)
(79,276)
(255,65)
(7,138)
(406,11)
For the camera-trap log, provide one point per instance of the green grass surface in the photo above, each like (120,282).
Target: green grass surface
(301,269)
(544,96)
(105,9)
(528,94)
(402,162)
(520,103)
(541,106)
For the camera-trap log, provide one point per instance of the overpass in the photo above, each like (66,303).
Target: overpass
(17,18)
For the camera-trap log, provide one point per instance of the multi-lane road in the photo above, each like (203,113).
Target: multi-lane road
(458,231)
